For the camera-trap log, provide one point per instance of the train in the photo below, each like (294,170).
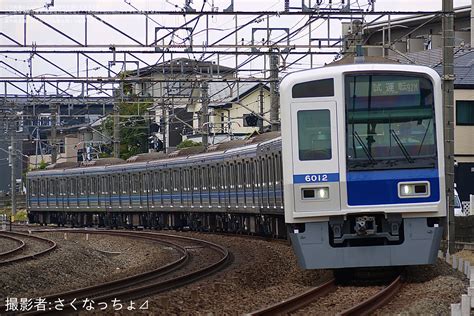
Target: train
(356,178)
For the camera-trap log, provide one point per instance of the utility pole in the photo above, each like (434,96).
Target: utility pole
(54,148)
(448,98)
(260,121)
(13,168)
(205,114)
(164,126)
(116,130)
(274,93)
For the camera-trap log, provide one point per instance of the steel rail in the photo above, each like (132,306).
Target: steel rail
(296,302)
(12,251)
(375,302)
(52,246)
(129,287)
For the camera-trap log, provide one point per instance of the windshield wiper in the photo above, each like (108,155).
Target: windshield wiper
(424,136)
(402,147)
(364,147)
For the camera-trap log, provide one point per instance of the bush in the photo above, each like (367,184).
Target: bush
(21,215)
(188,143)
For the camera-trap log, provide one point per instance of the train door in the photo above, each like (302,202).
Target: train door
(315,157)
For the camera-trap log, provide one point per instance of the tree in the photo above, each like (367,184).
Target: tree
(133,123)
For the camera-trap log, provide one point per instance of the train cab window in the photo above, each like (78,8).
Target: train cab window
(390,122)
(314,135)
(314,89)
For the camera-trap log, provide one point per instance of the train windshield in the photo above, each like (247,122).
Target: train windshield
(389,122)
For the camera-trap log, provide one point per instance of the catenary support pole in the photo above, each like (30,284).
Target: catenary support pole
(274,95)
(116,132)
(13,169)
(54,141)
(448,98)
(205,114)
(261,97)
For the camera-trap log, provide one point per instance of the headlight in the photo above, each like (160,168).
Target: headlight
(417,189)
(406,190)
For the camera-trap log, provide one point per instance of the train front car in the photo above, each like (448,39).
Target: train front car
(364,183)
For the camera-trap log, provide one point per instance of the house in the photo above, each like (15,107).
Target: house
(177,93)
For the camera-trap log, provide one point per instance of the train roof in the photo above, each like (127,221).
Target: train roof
(215,153)
(352,64)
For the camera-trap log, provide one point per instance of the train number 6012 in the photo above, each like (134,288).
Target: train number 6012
(316,178)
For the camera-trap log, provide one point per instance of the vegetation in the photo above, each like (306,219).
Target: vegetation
(133,123)
(42,165)
(21,215)
(188,143)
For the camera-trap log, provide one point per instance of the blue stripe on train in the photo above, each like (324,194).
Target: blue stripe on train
(175,197)
(381,187)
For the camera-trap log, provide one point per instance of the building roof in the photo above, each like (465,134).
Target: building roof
(225,94)
(184,66)
(463,64)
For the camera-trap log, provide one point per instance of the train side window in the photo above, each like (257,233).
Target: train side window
(151,177)
(157,180)
(72,186)
(32,186)
(124,181)
(204,177)
(314,89)
(93,185)
(41,187)
(135,179)
(114,184)
(314,135)
(278,169)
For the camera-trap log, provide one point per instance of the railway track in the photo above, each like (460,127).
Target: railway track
(168,277)
(19,242)
(27,245)
(305,299)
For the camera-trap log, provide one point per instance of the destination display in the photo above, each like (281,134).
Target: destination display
(386,87)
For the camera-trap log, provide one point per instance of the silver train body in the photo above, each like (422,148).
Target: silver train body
(235,188)
(356,178)
(362,146)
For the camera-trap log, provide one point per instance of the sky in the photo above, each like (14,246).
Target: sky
(240,4)
(134,26)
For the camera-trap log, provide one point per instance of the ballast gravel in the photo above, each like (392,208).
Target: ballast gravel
(7,244)
(262,273)
(78,262)
(265,273)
